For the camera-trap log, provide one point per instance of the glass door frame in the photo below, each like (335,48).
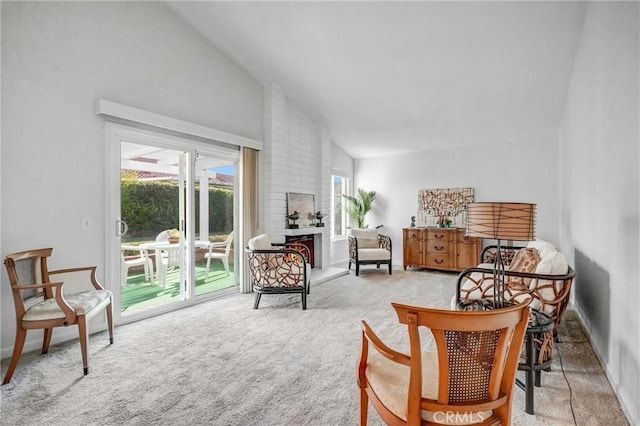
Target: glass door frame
(114,134)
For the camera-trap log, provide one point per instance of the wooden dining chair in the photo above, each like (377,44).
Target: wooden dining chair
(468,379)
(41,303)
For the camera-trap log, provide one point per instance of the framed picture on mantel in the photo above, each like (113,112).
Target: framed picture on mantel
(304,204)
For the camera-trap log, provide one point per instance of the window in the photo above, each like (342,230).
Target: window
(339,187)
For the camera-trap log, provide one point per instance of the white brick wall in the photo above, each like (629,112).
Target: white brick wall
(296,158)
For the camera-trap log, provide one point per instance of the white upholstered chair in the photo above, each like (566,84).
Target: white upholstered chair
(368,247)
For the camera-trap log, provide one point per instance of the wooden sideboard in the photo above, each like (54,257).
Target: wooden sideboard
(446,249)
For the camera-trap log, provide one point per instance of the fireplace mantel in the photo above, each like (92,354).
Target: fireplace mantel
(304,231)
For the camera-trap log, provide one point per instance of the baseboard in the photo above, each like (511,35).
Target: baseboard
(596,351)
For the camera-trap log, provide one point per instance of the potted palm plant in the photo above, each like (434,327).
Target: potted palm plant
(359,205)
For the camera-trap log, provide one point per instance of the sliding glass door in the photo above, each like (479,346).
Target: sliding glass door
(174,212)
(214,195)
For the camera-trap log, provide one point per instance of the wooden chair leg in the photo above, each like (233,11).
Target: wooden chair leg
(21,335)
(389,268)
(364,406)
(109,310)
(46,340)
(257,301)
(84,338)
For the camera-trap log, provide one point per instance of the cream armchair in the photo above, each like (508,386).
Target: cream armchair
(368,247)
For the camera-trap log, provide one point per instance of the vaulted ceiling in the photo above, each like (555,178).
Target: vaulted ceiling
(396,77)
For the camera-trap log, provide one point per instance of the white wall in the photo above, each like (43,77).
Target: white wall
(296,158)
(600,191)
(341,165)
(525,171)
(57,58)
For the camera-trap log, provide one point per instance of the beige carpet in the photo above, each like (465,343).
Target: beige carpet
(223,363)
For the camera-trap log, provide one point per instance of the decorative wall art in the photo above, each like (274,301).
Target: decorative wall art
(444,207)
(304,205)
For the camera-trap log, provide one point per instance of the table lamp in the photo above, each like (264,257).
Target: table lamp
(501,221)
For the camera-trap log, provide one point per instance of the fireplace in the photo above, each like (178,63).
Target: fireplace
(308,241)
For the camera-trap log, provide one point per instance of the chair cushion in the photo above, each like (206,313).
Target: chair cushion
(390,381)
(367,238)
(83,303)
(260,242)
(374,254)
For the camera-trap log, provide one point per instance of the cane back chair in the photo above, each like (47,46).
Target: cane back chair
(468,380)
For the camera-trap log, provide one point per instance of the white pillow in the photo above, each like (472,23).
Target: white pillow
(553,263)
(261,242)
(543,247)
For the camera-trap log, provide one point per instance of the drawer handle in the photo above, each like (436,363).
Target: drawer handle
(439,236)
(439,247)
(439,261)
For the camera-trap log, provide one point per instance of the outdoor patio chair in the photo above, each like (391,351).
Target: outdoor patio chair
(141,259)
(167,260)
(41,303)
(223,256)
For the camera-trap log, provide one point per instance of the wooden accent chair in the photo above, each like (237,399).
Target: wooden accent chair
(278,268)
(468,380)
(41,303)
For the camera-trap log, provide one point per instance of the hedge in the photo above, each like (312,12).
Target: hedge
(151,207)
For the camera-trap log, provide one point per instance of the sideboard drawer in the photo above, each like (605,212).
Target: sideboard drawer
(439,261)
(437,246)
(437,235)
(415,234)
